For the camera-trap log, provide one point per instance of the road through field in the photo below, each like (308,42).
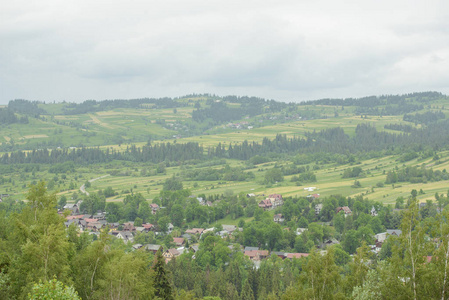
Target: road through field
(83,187)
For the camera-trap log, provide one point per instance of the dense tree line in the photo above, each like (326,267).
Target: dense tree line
(26,107)
(334,140)
(400,127)
(90,106)
(416,175)
(219,112)
(373,101)
(149,153)
(424,118)
(212,174)
(7,116)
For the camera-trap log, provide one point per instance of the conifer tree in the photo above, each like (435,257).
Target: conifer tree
(247,292)
(162,285)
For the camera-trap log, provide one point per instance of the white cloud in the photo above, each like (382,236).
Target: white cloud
(293,50)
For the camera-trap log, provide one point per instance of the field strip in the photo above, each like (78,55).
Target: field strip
(97,121)
(35,136)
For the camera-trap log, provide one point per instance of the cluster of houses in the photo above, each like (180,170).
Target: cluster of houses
(126,231)
(271,202)
(94,223)
(239,125)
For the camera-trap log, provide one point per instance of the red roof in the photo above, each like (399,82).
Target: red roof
(195,230)
(178,241)
(297,255)
(74,217)
(346,209)
(265,203)
(173,251)
(256,253)
(147,226)
(90,220)
(276,196)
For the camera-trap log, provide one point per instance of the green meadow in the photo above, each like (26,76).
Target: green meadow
(119,128)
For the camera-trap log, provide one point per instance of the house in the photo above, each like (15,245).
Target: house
(278,218)
(299,231)
(170,254)
(394,232)
(179,241)
(187,237)
(310,189)
(126,236)
(195,231)
(296,255)
(194,248)
(68,218)
(73,208)
(94,226)
(182,250)
(257,254)
(276,200)
(250,195)
(140,229)
(247,248)
(282,255)
(381,237)
(170,227)
(345,209)
(154,208)
(229,228)
(318,208)
(153,248)
(114,225)
(266,204)
(90,220)
(148,227)
(129,226)
(76,222)
(137,246)
(373,212)
(99,216)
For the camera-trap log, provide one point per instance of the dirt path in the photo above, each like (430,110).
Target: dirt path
(97,121)
(83,187)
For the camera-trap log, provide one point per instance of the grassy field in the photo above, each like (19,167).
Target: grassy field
(119,128)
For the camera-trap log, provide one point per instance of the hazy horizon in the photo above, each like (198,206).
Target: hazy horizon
(290,51)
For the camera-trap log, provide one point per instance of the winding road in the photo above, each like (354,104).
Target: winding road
(83,188)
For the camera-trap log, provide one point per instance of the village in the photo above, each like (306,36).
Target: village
(188,240)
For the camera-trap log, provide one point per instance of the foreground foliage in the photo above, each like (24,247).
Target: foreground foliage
(40,259)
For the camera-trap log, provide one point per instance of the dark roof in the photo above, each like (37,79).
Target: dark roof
(152,247)
(251,248)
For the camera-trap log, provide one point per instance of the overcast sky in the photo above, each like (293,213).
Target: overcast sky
(285,50)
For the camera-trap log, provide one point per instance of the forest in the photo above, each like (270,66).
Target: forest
(413,265)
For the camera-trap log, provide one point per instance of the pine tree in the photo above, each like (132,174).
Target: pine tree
(162,285)
(247,292)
